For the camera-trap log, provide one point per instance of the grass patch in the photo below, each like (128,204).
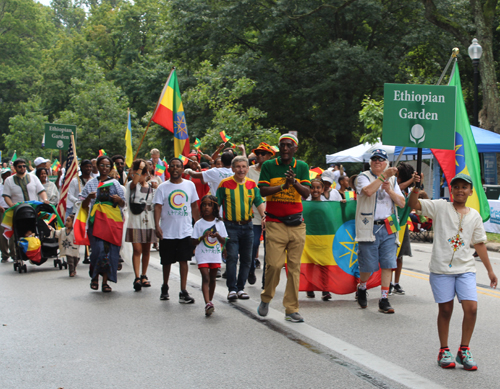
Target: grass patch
(492,237)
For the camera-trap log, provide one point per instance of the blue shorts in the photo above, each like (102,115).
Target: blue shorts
(381,252)
(446,286)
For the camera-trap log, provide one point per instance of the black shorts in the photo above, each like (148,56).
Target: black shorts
(175,250)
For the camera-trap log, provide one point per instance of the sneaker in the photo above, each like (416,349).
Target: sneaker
(294,317)
(398,289)
(384,306)
(257,263)
(86,261)
(252,279)
(219,273)
(391,289)
(361,295)
(185,298)
(164,293)
(326,296)
(311,295)
(209,309)
(232,296)
(445,359)
(464,357)
(263,309)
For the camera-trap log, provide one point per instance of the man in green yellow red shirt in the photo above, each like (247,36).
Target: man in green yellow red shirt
(237,194)
(284,181)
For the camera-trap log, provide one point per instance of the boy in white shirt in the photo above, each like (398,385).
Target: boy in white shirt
(175,207)
(452,267)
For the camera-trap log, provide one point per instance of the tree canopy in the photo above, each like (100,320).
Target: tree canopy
(252,68)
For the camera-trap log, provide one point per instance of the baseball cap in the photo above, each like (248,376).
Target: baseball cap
(464,177)
(327,176)
(40,160)
(379,153)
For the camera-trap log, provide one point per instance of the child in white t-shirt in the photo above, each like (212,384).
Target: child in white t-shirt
(209,237)
(452,267)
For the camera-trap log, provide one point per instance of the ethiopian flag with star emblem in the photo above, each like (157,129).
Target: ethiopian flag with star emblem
(169,113)
(330,258)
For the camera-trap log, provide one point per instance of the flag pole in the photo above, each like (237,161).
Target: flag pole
(157,104)
(76,157)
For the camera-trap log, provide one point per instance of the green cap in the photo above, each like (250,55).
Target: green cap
(464,177)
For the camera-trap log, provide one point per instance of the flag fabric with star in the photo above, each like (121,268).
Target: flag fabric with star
(330,260)
(55,166)
(71,172)
(169,113)
(465,158)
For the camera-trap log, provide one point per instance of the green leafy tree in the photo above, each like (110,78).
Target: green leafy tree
(372,116)
(99,110)
(26,131)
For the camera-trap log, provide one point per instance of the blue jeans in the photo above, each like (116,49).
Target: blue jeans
(240,242)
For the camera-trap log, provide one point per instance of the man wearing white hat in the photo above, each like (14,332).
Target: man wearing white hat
(39,163)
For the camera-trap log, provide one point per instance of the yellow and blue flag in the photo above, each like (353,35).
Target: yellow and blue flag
(129,156)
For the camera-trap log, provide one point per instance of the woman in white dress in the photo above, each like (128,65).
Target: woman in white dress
(141,224)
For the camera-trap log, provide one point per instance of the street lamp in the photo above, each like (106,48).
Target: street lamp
(475,52)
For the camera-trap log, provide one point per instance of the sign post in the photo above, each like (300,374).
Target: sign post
(421,116)
(58,136)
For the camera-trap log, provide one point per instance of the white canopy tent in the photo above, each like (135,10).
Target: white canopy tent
(361,153)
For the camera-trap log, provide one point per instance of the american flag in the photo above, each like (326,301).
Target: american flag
(71,172)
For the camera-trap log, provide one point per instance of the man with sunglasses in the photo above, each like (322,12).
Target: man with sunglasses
(378,195)
(22,186)
(119,162)
(262,154)
(284,181)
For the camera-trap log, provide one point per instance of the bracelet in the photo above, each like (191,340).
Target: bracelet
(416,190)
(381,179)
(281,187)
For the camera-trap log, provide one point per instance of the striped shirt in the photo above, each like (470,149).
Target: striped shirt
(286,202)
(237,199)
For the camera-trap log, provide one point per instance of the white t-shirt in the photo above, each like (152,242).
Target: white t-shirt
(445,222)
(334,196)
(15,192)
(176,215)
(209,250)
(384,206)
(214,176)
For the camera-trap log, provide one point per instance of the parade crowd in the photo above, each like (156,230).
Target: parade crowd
(217,209)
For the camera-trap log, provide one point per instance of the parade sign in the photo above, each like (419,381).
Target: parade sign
(419,116)
(58,136)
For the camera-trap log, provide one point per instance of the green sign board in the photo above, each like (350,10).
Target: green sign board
(419,116)
(58,136)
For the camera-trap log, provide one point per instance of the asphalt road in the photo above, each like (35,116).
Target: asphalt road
(57,333)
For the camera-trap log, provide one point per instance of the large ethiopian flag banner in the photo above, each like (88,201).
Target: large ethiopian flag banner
(330,258)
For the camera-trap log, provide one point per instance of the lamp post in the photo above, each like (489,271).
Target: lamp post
(475,52)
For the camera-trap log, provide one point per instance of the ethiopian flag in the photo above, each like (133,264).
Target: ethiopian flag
(107,220)
(466,156)
(169,113)
(330,258)
(80,227)
(197,143)
(160,169)
(224,137)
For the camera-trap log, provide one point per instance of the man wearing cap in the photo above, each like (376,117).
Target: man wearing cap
(262,154)
(39,163)
(378,194)
(284,181)
(6,248)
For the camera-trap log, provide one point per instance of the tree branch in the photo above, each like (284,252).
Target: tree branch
(432,15)
(337,9)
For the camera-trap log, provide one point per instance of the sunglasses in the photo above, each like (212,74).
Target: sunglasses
(379,159)
(104,166)
(21,167)
(261,153)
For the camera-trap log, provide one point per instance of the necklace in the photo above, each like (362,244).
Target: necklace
(456,241)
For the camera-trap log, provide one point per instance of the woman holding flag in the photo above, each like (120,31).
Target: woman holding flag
(104,198)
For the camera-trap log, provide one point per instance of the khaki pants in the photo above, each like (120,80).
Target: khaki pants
(283,242)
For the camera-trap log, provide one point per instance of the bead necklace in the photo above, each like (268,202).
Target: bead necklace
(456,241)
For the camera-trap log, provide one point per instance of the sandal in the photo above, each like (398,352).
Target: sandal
(144,281)
(106,288)
(94,284)
(137,284)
